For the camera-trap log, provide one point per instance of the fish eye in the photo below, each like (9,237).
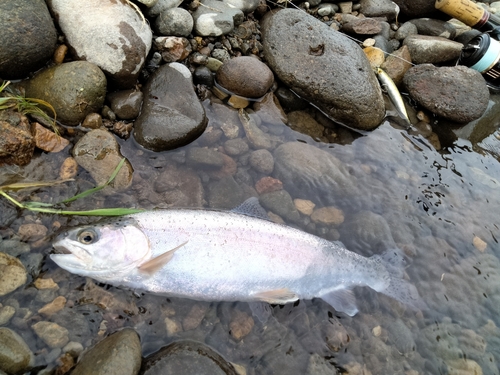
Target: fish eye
(87,237)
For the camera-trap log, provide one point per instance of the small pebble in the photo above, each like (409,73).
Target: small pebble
(328,216)
(52,334)
(241,324)
(305,207)
(68,169)
(479,244)
(45,284)
(53,307)
(377,331)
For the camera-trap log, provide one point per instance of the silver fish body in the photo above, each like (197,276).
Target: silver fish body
(224,256)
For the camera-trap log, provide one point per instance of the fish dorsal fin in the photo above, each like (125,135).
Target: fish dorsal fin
(278,296)
(252,207)
(154,264)
(342,300)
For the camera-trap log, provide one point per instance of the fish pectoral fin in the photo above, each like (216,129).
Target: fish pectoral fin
(277,296)
(153,265)
(341,300)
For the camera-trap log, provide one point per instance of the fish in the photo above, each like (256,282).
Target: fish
(237,255)
(393,92)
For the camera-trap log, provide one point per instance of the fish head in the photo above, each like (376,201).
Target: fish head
(103,250)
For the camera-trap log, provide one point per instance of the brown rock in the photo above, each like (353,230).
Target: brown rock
(12,274)
(305,207)
(16,144)
(195,316)
(47,140)
(45,284)
(268,185)
(68,168)
(51,308)
(245,76)
(32,232)
(52,334)
(173,48)
(362,26)
(60,54)
(397,64)
(241,324)
(328,216)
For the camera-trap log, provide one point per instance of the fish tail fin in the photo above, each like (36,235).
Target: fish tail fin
(396,287)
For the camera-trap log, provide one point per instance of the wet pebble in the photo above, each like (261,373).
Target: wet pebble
(280,202)
(204,157)
(257,138)
(304,206)
(126,104)
(6,313)
(194,317)
(74,89)
(328,216)
(432,49)
(92,121)
(52,334)
(268,185)
(173,48)
(53,307)
(118,354)
(235,147)
(16,144)
(32,232)
(479,244)
(47,140)
(14,247)
(99,153)
(203,76)
(245,76)
(241,324)
(225,194)
(68,169)
(262,161)
(15,355)
(12,274)
(174,22)
(216,18)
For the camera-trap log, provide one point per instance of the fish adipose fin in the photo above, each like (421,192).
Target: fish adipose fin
(154,264)
(342,300)
(278,296)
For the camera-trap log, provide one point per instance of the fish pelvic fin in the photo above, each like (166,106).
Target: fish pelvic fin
(276,296)
(153,265)
(342,300)
(395,286)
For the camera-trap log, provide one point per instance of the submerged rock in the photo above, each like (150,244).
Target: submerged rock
(188,358)
(118,354)
(15,356)
(110,34)
(216,18)
(12,274)
(441,91)
(303,168)
(99,153)
(16,143)
(324,67)
(172,115)
(74,89)
(28,37)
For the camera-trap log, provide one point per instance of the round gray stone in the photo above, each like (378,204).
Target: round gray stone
(28,37)
(324,67)
(174,22)
(74,89)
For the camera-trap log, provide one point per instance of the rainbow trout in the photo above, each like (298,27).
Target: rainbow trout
(226,256)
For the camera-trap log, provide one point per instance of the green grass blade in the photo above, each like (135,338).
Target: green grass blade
(97,188)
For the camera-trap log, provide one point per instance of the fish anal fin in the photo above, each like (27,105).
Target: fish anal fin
(153,265)
(341,300)
(277,296)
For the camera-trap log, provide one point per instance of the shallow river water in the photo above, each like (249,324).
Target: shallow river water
(440,207)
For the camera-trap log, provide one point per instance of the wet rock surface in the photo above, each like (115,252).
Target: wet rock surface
(74,89)
(172,115)
(118,354)
(121,38)
(15,355)
(187,357)
(99,153)
(292,53)
(425,83)
(30,35)
(13,274)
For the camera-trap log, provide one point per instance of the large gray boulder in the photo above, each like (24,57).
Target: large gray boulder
(110,34)
(172,115)
(28,37)
(324,67)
